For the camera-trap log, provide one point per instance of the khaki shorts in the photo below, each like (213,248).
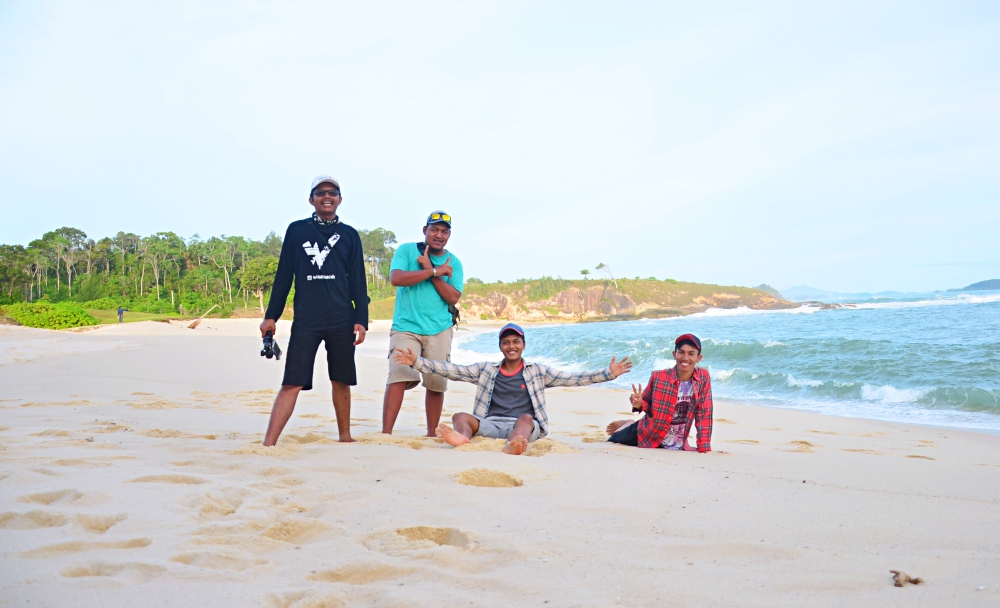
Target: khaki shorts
(499,427)
(436,347)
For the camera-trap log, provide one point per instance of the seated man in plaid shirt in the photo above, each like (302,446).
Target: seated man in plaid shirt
(673,399)
(510,396)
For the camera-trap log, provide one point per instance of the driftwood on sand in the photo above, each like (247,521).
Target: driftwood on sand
(198,320)
(900,578)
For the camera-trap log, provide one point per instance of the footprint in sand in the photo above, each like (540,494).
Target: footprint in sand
(133,570)
(800,446)
(80,462)
(98,524)
(256,449)
(453,537)
(171,434)
(275,471)
(360,574)
(919,456)
(219,504)
(51,433)
(415,442)
(294,530)
(539,448)
(47,498)
(218,561)
(185,479)
(79,546)
(302,599)
(487,478)
(744,441)
(860,451)
(31,520)
(402,541)
(307,438)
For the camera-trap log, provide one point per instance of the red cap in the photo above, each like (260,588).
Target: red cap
(690,339)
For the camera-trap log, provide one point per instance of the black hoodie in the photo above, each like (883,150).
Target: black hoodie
(329,269)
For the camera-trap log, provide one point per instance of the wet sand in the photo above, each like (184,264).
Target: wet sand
(131,474)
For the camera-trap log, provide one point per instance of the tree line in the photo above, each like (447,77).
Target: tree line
(162,272)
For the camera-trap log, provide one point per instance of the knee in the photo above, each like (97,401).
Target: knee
(526,419)
(461,417)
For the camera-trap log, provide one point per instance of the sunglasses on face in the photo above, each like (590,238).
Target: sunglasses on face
(440,217)
(322,193)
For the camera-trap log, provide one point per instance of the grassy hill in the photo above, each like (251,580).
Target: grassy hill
(548,299)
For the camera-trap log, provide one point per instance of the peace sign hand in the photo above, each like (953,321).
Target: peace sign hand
(636,397)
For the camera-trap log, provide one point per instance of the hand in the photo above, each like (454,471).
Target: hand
(406,358)
(622,367)
(425,259)
(636,397)
(360,331)
(445,270)
(268,325)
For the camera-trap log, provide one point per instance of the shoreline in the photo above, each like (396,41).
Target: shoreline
(381,326)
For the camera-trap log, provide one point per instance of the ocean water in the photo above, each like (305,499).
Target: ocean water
(927,359)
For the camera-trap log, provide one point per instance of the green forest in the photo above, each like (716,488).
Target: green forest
(65,278)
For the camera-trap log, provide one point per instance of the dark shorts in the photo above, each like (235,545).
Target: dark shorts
(301,356)
(627,435)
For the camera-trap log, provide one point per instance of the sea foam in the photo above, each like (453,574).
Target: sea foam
(891,394)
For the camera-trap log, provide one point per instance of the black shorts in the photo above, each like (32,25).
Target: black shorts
(627,435)
(301,356)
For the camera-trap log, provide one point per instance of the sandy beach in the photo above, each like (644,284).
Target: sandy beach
(132,475)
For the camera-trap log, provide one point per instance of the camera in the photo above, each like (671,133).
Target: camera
(271,348)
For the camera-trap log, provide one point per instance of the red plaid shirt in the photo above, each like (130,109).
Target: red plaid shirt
(659,400)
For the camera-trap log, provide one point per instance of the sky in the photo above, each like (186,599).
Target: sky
(850,146)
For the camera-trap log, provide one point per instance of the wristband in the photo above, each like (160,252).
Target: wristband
(434,271)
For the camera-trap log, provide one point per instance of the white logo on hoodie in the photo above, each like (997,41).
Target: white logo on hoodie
(318,257)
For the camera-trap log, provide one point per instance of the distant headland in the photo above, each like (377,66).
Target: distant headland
(981,286)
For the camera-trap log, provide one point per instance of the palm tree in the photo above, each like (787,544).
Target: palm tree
(605,268)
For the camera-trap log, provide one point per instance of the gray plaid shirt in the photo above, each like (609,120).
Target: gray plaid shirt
(536,377)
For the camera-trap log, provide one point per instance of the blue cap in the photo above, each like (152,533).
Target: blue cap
(511,327)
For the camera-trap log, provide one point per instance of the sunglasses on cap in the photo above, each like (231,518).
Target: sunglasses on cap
(439,217)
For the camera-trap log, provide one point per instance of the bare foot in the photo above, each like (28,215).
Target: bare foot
(516,446)
(617,424)
(450,435)
(346,439)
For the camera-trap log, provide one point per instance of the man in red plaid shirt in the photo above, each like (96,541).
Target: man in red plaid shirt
(673,400)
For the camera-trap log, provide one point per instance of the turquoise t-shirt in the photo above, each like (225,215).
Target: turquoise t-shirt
(419,308)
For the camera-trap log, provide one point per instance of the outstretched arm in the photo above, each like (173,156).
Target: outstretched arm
(558,377)
(459,373)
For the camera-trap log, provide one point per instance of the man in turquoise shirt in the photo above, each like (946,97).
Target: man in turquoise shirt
(428,280)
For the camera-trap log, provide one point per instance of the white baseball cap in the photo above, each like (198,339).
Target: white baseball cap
(323,179)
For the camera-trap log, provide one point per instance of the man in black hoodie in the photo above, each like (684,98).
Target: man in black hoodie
(331,305)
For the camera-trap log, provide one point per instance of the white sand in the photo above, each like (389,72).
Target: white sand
(131,475)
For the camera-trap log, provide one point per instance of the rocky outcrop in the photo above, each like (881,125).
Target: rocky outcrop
(602,302)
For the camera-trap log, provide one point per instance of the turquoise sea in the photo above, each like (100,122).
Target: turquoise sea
(922,358)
